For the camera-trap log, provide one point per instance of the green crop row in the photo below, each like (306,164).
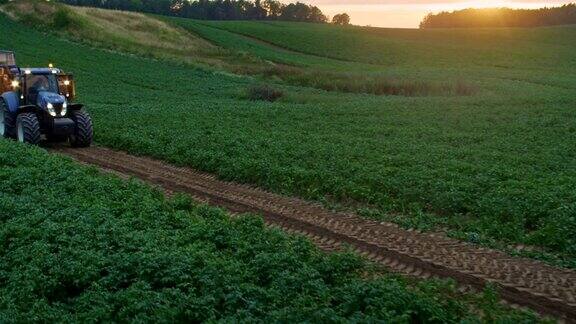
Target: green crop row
(543,55)
(231,40)
(80,246)
(495,168)
(510,47)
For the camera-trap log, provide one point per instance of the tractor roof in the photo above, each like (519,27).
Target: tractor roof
(37,71)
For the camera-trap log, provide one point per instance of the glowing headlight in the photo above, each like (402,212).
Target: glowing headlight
(15,84)
(66,82)
(64,109)
(51,110)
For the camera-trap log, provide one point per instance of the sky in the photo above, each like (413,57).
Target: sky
(409,13)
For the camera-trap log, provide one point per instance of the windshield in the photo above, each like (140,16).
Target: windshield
(42,82)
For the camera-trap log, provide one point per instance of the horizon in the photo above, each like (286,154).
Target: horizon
(409,13)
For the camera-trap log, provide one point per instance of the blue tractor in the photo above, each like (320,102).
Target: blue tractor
(38,103)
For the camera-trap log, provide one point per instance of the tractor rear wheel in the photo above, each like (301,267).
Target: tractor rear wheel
(7,121)
(83,132)
(28,128)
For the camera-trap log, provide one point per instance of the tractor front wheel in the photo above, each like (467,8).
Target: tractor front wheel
(83,132)
(7,121)
(28,128)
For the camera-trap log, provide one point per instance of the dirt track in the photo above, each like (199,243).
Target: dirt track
(525,282)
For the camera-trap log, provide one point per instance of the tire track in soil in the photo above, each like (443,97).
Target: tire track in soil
(525,282)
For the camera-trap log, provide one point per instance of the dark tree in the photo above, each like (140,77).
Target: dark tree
(341,19)
(256,11)
(502,17)
(273,8)
(302,12)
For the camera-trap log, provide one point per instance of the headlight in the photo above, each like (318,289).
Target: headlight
(64,109)
(15,84)
(51,110)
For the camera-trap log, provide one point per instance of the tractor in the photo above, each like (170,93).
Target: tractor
(39,102)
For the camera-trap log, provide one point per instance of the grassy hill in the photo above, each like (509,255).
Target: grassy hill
(477,58)
(471,54)
(122,31)
(494,167)
(491,47)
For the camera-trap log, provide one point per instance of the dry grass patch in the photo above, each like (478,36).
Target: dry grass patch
(118,30)
(40,11)
(138,29)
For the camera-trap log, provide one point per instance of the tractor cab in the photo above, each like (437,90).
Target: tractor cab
(46,88)
(38,84)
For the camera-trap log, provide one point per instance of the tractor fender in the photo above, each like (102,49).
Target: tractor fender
(12,100)
(75,106)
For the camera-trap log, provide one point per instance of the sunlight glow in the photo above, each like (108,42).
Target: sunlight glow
(409,13)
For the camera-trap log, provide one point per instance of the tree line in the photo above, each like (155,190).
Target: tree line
(502,17)
(218,9)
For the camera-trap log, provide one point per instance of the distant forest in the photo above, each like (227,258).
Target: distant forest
(502,17)
(214,9)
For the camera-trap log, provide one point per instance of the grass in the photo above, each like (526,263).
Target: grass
(296,67)
(369,84)
(122,31)
(80,246)
(479,57)
(512,47)
(495,168)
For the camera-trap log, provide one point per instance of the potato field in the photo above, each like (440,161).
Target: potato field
(412,149)
(495,168)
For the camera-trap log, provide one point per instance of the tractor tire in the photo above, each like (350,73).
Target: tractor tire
(83,131)
(7,121)
(28,128)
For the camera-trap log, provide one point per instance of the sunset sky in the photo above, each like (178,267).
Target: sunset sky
(409,13)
